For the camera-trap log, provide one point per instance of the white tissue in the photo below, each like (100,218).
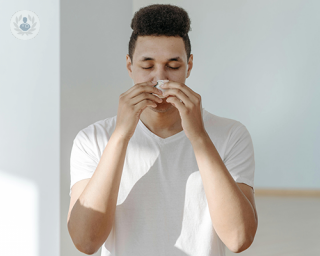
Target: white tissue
(159,82)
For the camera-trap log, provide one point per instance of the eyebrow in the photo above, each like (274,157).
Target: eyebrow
(172,59)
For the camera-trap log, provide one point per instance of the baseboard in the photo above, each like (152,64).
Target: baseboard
(286,192)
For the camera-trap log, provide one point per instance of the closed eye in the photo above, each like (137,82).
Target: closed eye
(168,67)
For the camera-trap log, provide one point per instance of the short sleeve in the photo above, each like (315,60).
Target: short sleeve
(83,160)
(239,158)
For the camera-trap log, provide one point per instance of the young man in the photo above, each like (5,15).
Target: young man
(162,177)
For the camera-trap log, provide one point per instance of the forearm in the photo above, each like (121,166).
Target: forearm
(232,214)
(92,216)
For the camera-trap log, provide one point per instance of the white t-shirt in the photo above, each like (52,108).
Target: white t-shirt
(162,207)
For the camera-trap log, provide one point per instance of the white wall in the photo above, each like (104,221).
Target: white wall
(29,133)
(94,44)
(258,62)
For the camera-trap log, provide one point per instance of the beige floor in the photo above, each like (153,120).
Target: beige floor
(287,226)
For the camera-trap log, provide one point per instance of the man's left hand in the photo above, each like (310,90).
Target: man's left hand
(189,106)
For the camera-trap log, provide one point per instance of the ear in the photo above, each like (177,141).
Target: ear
(129,65)
(190,65)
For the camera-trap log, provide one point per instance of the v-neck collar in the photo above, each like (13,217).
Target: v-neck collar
(159,139)
(164,140)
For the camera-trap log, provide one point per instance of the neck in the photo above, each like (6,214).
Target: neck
(162,122)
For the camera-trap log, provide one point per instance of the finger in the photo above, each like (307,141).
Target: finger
(176,103)
(182,87)
(143,96)
(141,88)
(146,86)
(144,104)
(180,95)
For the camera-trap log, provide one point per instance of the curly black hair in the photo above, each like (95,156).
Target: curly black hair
(160,20)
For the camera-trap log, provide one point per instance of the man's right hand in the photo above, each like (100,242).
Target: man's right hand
(132,103)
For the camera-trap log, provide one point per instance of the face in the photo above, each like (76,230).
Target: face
(159,58)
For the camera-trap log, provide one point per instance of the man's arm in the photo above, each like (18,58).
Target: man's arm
(91,218)
(233,216)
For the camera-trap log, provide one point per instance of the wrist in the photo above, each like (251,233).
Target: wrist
(120,137)
(200,140)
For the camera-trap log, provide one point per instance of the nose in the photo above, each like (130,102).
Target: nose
(159,73)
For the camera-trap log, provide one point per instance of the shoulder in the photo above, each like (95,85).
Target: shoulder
(221,126)
(97,133)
